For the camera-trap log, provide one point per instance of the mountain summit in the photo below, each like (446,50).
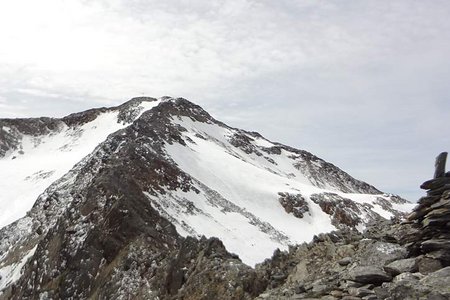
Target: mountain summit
(91,194)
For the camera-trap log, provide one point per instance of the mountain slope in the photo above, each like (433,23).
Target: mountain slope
(36,152)
(174,171)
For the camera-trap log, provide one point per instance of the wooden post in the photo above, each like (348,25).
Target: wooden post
(440,165)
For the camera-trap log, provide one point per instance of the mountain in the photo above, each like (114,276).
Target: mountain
(36,152)
(114,202)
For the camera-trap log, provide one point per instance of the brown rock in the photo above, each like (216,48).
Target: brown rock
(428,265)
(435,244)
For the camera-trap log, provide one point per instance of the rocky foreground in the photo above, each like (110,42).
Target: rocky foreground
(391,260)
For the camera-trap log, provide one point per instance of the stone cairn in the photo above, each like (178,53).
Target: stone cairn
(432,217)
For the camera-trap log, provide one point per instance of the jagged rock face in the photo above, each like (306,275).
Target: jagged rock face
(118,224)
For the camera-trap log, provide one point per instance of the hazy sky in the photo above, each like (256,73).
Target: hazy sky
(362,84)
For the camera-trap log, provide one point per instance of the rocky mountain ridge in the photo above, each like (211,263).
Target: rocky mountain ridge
(119,223)
(37,152)
(13,130)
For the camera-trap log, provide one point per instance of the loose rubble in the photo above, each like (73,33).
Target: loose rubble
(391,260)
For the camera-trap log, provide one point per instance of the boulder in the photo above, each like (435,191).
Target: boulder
(381,292)
(401,266)
(438,281)
(360,292)
(369,274)
(345,261)
(441,255)
(428,265)
(319,288)
(408,277)
(336,293)
(381,253)
(435,244)
(436,285)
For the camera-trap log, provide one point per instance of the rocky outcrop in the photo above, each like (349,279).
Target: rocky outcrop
(432,217)
(294,204)
(391,260)
(345,212)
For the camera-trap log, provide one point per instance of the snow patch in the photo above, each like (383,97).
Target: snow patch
(42,160)
(249,182)
(11,273)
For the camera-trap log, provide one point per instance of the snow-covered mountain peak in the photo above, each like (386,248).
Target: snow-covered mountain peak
(149,174)
(37,151)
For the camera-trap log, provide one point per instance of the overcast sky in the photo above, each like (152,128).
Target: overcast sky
(362,84)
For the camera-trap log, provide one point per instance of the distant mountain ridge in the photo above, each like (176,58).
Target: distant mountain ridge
(11,130)
(147,175)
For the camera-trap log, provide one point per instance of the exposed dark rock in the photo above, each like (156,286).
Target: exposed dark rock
(435,183)
(369,274)
(345,261)
(435,244)
(438,191)
(13,130)
(345,212)
(402,266)
(294,204)
(272,150)
(342,210)
(360,292)
(428,265)
(440,165)
(433,286)
(243,142)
